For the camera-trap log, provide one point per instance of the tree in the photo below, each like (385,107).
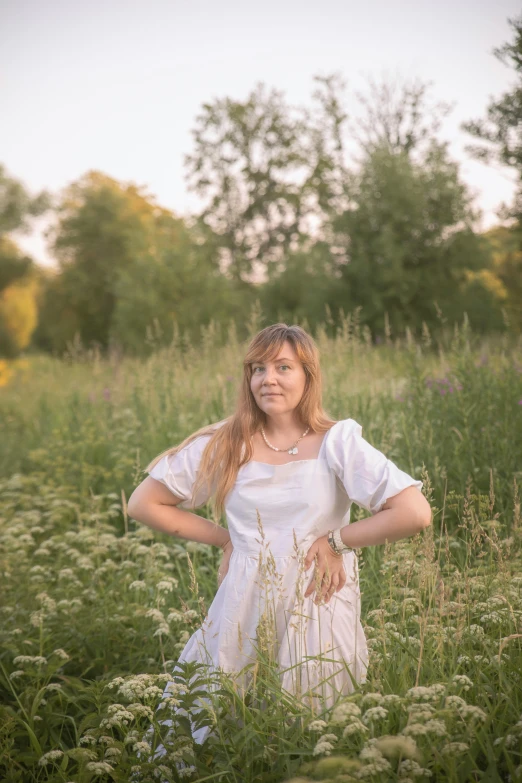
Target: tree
(398,117)
(501,132)
(408,240)
(18,276)
(128,269)
(502,128)
(269,173)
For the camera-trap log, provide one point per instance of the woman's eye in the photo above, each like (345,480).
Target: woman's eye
(281,365)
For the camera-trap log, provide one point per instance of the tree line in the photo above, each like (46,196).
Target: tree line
(307,211)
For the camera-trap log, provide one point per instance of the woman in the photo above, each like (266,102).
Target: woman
(286,475)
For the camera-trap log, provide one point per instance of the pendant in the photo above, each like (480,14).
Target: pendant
(293,450)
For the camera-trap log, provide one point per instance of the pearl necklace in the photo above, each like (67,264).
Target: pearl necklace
(291,450)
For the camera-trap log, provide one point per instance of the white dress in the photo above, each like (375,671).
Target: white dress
(297,503)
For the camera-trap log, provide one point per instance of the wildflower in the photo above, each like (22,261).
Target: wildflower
(50,757)
(410,767)
(343,712)
(353,727)
(422,693)
(61,654)
(112,753)
(454,747)
(53,686)
(142,747)
(156,616)
(99,767)
(186,772)
(16,673)
(164,586)
(325,744)
(375,713)
(476,630)
(317,725)
(455,701)
(37,660)
(437,727)
(118,716)
(463,681)
(87,739)
(137,585)
(375,698)
(415,729)
(393,746)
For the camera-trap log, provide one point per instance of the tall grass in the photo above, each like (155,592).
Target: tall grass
(96,607)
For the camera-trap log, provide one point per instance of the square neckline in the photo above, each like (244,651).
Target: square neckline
(295,461)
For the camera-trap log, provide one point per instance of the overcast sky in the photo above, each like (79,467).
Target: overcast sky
(116,86)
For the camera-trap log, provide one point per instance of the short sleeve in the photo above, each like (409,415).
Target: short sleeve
(368,476)
(179,472)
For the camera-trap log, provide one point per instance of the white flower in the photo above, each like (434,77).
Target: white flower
(354,727)
(423,693)
(164,586)
(454,747)
(371,698)
(473,712)
(61,654)
(137,585)
(344,711)
(415,730)
(156,615)
(186,772)
(317,725)
(112,753)
(118,716)
(50,757)
(375,713)
(142,747)
(409,766)
(463,681)
(99,767)
(437,727)
(38,660)
(325,744)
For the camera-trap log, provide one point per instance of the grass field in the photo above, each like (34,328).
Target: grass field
(96,607)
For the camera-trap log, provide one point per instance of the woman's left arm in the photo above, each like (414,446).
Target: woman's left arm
(401,516)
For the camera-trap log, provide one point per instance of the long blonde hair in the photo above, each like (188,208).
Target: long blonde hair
(230,446)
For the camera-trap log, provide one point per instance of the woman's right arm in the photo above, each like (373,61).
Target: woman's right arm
(153,504)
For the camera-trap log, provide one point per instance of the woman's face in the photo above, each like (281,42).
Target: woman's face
(278,385)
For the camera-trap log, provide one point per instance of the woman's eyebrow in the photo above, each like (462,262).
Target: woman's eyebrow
(280,359)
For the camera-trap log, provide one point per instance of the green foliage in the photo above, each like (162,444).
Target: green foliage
(96,608)
(18,277)
(408,241)
(502,130)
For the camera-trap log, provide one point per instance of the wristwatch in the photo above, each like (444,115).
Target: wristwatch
(336,542)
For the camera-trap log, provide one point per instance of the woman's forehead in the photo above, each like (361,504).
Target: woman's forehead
(285,352)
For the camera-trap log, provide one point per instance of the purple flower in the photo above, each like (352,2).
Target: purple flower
(520,402)
(443,392)
(106,394)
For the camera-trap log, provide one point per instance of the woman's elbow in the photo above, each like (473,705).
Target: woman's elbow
(425,515)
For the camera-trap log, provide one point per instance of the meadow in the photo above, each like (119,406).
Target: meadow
(95,607)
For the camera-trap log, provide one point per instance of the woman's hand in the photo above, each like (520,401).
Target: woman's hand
(223,566)
(329,574)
